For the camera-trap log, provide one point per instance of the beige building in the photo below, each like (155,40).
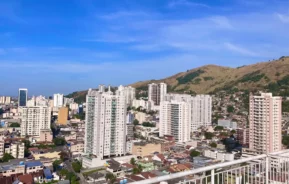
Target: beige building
(143,149)
(62,115)
(76,146)
(265,116)
(16,149)
(46,135)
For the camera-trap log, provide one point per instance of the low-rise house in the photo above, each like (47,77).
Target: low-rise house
(114,167)
(46,135)
(75,146)
(53,153)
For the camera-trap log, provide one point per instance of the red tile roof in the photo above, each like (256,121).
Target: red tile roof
(26,179)
(148,175)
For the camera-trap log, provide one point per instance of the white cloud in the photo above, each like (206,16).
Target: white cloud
(175,3)
(283,18)
(240,50)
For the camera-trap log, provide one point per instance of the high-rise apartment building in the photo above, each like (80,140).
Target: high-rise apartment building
(129,93)
(22,97)
(201,108)
(5,100)
(58,100)
(157,92)
(34,119)
(265,123)
(242,135)
(101,88)
(62,116)
(175,120)
(105,127)
(37,101)
(201,111)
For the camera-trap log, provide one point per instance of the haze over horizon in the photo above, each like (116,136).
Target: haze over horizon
(64,46)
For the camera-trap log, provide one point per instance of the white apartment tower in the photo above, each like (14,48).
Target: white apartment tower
(5,100)
(58,100)
(201,111)
(101,88)
(105,127)
(34,119)
(201,108)
(129,93)
(175,118)
(157,92)
(265,117)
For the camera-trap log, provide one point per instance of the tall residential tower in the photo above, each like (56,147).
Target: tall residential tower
(157,92)
(265,123)
(22,97)
(105,127)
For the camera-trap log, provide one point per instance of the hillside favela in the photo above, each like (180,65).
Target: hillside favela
(144,92)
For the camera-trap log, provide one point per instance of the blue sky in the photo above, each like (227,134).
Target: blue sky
(51,46)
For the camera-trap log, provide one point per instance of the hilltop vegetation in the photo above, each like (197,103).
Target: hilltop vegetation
(271,76)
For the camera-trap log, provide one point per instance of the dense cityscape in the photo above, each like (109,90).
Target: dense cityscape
(114,137)
(144,92)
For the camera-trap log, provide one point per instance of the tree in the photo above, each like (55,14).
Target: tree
(7,157)
(76,166)
(213,145)
(219,128)
(285,140)
(137,169)
(14,125)
(72,178)
(132,161)
(110,178)
(230,108)
(80,116)
(63,155)
(59,141)
(209,135)
(223,134)
(63,172)
(194,153)
(233,131)
(27,143)
(56,165)
(135,122)
(148,124)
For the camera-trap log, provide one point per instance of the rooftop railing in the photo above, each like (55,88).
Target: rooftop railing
(262,169)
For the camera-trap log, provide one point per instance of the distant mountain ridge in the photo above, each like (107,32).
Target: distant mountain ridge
(272,76)
(212,78)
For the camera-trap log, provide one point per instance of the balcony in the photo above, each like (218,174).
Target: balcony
(262,169)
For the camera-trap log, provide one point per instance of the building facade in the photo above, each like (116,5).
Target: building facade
(175,119)
(22,97)
(58,100)
(201,111)
(157,92)
(16,149)
(5,100)
(34,119)
(129,93)
(201,108)
(62,115)
(265,117)
(105,127)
